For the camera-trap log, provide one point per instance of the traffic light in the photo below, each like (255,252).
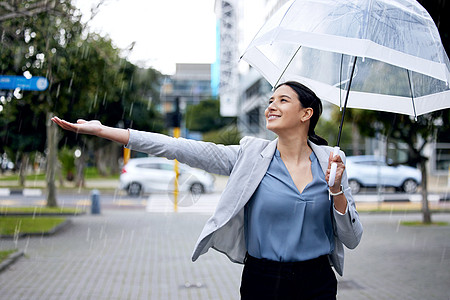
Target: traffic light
(173,119)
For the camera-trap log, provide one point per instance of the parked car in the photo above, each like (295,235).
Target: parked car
(156,174)
(371,171)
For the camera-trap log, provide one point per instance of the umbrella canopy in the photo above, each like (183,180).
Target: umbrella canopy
(389,52)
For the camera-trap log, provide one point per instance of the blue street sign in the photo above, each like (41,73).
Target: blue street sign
(9,82)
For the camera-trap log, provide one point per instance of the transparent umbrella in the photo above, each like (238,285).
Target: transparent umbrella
(382,55)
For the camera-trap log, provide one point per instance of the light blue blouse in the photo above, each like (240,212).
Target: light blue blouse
(282,224)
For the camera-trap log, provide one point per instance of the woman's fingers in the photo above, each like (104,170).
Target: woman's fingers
(81,126)
(339,171)
(65,125)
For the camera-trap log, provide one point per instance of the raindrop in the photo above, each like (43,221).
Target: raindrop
(70,83)
(1,108)
(122,235)
(53,50)
(131,109)
(57,90)
(443,254)
(95,99)
(149,102)
(25,250)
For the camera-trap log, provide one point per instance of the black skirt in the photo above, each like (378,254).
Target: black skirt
(265,279)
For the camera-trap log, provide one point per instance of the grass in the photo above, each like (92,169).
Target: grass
(89,173)
(420,223)
(5,253)
(28,224)
(40,210)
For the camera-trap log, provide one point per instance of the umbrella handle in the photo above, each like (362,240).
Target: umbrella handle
(333,167)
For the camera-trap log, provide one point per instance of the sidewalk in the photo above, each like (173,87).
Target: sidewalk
(134,254)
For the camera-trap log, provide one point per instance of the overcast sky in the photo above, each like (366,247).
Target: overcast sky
(168,31)
(165,31)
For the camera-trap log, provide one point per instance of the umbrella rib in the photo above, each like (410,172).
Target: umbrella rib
(340,82)
(411,88)
(345,103)
(288,64)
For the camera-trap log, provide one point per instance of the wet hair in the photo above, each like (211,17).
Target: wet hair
(308,99)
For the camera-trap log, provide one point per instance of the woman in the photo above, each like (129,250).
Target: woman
(277,214)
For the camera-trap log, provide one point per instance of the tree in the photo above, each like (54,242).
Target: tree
(88,78)
(205,116)
(16,9)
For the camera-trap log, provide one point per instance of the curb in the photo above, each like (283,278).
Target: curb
(23,192)
(10,260)
(20,214)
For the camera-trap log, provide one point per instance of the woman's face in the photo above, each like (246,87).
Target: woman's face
(285,111)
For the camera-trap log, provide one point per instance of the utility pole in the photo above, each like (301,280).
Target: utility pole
(175,120)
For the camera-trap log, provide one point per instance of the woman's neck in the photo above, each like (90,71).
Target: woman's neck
(294,147)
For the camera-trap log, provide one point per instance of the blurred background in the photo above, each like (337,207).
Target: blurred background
(155,67)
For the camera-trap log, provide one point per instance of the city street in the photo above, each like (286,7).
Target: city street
(144,253)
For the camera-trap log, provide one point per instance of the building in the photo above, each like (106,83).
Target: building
(191,83)
(226,66)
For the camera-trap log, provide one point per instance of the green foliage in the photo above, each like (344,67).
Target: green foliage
(67,159)
(228,135)
(205,116)
(329,129)
(92,173)
(88,79)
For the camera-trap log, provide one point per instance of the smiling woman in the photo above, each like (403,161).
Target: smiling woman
(275,214)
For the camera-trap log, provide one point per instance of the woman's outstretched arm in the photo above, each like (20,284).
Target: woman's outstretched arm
(96,128)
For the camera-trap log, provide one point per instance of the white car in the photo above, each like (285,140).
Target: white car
(371,171)
(156,174)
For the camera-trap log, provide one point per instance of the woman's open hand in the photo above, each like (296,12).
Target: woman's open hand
(82,126)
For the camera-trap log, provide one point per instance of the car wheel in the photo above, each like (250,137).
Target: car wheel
(134,189)
(197,188)
(355,186)
(409,186)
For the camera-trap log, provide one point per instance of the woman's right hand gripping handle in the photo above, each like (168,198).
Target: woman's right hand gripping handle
(333,168)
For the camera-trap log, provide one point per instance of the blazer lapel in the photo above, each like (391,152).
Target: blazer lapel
(259,169)
(322,155)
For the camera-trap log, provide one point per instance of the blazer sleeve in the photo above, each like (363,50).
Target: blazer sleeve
(348,227)
(213,158)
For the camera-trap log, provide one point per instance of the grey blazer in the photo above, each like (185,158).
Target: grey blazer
(246,165)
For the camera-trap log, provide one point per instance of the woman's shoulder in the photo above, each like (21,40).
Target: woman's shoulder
(253,140)
(327,149)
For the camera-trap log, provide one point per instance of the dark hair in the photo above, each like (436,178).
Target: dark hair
(308,99)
